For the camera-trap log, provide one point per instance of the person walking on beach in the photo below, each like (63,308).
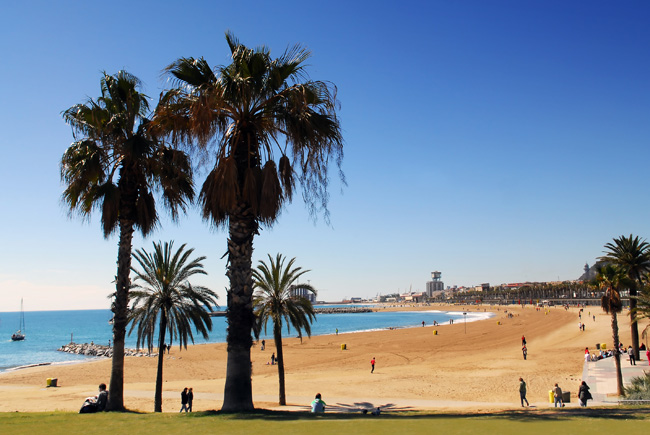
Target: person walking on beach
(190,399)
(524,350)
(317,405)
(263,344)
(273,359)
(522,392)
(584,394)
(372,364)
(523,340)
(337,331)
(557,395)
(184,400)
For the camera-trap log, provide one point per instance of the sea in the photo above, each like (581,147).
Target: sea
(46,331)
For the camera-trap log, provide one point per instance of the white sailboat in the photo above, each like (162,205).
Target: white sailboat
(20,334)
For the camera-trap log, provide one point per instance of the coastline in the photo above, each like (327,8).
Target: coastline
(378,308)
(476,369)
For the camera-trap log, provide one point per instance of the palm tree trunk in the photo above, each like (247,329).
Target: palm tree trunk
(120,305)
(617,357)
(277,335)
(161,352)
(238,395)
(634,327)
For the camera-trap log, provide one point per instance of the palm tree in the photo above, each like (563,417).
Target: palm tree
(276,299)
(166,298)
(114,165)
(633,255)
(269,127)
(611,278)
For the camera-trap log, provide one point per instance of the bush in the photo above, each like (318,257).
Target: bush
(640,388)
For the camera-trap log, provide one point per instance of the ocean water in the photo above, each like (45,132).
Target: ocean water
(46,331)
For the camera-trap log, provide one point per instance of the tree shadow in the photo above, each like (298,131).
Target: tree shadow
(353,411)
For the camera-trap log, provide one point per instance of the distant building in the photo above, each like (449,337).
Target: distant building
(435,285)
(302,293)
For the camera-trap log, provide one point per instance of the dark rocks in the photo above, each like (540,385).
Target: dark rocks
(99,351)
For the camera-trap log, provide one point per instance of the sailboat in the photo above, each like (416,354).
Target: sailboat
(20,334)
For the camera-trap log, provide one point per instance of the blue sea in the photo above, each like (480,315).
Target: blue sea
(46,331)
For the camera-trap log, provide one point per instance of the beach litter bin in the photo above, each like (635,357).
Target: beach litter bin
(435,332)
(551,396)
(566,397)
(603,346)
(48,382)
(344,346)
(598,346)
(54,382)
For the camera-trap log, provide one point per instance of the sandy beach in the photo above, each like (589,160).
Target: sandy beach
(477,369)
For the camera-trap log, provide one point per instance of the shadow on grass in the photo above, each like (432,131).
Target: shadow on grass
(344,412)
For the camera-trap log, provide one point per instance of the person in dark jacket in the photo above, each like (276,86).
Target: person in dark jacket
(584,394)
(184,400)
(190,398)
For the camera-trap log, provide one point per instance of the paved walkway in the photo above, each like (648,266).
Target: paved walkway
(601,377)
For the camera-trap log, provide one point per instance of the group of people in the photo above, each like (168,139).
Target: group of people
(583,394)
(187,397)
(603,353)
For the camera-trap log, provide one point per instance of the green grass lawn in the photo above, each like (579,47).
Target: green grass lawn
(626,420)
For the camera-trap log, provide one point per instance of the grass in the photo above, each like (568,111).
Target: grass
(627,420)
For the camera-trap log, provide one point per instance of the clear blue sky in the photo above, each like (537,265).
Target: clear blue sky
(494,141)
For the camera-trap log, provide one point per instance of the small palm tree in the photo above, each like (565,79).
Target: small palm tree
(632,254)
(610,278)
(167,299)
(276,299)
(114,165)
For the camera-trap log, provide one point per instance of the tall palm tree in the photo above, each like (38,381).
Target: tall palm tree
(167,298)
(610,278)
(276,299)
(633,255)
(269,127)
(114,165)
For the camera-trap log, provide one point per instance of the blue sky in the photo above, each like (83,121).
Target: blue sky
(494,141)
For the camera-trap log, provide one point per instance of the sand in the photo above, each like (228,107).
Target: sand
(477,369)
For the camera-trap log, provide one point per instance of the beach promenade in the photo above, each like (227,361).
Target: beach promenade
(601,377)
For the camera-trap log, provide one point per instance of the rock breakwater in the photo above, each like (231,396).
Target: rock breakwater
(90,349)
(339,310)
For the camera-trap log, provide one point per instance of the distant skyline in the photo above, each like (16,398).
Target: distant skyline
(496,142)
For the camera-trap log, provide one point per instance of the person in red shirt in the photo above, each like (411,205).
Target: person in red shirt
(372,363)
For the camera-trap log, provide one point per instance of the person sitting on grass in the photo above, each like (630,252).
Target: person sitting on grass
(96,403)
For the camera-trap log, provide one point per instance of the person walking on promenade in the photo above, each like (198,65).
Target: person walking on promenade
(372,364)
(557,395)
(522,392)
(524,350)
(584,394)
(190,399)
(647,355)
(184,400)
(630,353)
(317,405)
